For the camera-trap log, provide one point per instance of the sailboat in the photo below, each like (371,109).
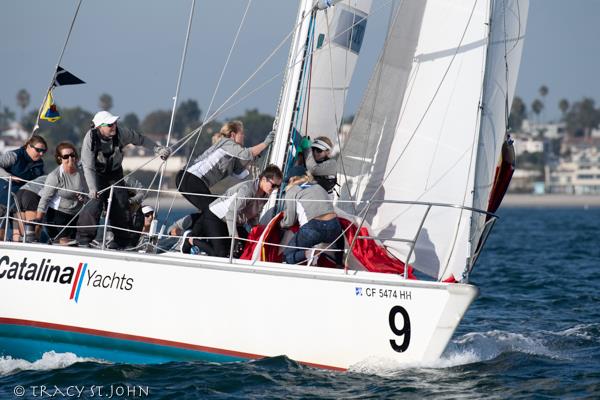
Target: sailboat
(416,173)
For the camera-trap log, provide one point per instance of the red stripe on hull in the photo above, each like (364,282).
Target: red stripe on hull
(75,282)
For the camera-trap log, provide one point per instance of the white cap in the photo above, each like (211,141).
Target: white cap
(321,145)
(104,117)
(147,209)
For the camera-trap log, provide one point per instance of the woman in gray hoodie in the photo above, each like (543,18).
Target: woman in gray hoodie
(308,203)
(64,193)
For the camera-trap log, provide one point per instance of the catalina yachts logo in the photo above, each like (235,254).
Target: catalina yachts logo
(45,271)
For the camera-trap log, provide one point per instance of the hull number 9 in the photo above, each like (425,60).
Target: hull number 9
(403,332)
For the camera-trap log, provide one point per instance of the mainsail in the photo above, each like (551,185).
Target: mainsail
(431,125)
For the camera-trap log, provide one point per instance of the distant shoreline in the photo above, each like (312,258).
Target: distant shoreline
(550,200)
(511,200)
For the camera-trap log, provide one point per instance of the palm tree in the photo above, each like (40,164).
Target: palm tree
(105,102)
(23,100)
(563,105)
(543,91)
(537,106)
(518,112)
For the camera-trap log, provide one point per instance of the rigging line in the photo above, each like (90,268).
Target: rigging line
(186,138)
(394,15)
(335,115)
(175,100)
(283,42)
(412,136)
(62,52)
(181,142)
(516,42)
(215,91)
(476,134)
(506,105)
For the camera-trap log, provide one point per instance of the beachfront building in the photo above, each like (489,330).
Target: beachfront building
(577,174)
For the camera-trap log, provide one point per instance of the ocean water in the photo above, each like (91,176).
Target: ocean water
(534,332)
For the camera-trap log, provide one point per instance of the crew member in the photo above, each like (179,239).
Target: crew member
(226,157)
(102,158)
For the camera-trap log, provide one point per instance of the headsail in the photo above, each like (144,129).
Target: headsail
(419,132)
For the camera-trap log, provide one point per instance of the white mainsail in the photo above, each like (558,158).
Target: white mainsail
(314,93)
(418,133)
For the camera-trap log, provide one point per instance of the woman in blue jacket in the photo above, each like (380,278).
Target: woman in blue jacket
(22,165)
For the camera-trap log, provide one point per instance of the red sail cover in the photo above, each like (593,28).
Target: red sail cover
(504,173)
(369,253)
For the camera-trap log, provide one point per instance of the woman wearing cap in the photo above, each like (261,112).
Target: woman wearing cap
(240,206)
(147,213)
(63,194)
(309,204)
(319,165)
(22,165)
(102,158)
(226,157)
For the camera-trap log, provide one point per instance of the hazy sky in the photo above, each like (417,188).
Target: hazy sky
(132,49)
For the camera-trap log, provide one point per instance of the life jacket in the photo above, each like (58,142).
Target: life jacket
(328,182)
(24,168)
(104,161)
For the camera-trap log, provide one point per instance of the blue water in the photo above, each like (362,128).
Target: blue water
(534,332)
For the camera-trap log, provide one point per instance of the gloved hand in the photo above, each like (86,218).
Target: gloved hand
(162,151)
(305,143)
(93,194)
(269,138)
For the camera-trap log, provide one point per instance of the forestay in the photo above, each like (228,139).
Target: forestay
(418,133)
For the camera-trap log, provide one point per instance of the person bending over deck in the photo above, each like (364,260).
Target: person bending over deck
(234,214)
(63,196)
(102,158)
(226,157)
(23,164)
(317,219)
(320,165)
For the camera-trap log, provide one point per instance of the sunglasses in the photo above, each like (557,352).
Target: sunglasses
(41,151)
(273,184)
(67,156)
(109,125)
(319,150)
(148,215)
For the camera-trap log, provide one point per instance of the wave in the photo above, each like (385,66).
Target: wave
(475,347)
(589,332)
(50,360)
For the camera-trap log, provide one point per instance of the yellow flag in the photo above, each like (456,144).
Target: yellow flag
(49,112)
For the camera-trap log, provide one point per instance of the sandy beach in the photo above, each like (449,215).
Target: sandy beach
(551,200)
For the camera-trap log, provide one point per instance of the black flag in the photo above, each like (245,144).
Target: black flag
(64,77)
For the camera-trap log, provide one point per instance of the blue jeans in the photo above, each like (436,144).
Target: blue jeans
(313,233)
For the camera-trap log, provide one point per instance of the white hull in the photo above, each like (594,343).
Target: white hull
(161,307)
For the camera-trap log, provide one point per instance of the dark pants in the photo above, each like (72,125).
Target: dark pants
(313,233)
(27,200)
(119,216)
(190,183)
(209,225)
(56,217)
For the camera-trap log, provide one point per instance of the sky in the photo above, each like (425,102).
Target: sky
(132,50)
